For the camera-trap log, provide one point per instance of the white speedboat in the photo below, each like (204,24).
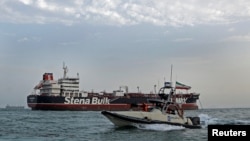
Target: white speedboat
(163,112)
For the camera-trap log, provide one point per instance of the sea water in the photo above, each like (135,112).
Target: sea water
(25,125)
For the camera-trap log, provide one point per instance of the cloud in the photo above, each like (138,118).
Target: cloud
(120,12)
(29,39)
(24,39)
(238,38)
(44,5)
(231,29)
(26,2)
(183,39)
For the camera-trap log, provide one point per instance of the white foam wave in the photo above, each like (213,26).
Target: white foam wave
(158,127)
(244,122)
(207,120)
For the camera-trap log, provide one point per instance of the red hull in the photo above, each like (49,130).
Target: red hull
(190,106)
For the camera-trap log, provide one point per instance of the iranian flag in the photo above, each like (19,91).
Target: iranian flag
(179,85)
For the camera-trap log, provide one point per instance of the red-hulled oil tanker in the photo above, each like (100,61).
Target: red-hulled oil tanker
(64,94)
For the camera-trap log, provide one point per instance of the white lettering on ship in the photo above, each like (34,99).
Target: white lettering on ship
(180,100)
(93,100)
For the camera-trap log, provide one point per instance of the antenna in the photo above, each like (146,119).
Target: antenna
(171,75)
(65,70)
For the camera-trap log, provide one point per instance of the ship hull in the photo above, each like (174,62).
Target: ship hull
(190,106)
(60,103)
(64,94)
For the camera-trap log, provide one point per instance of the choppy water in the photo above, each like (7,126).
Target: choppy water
(25,125)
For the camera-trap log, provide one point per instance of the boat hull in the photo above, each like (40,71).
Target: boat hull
(122,120)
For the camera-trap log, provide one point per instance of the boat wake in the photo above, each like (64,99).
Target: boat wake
(208,120)
(205,120)
(159,127)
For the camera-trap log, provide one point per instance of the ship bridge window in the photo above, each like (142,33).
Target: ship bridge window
(67,94)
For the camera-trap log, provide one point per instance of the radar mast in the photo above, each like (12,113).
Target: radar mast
(65,70)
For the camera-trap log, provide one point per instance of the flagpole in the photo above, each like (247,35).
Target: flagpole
(171,75)
(171,91)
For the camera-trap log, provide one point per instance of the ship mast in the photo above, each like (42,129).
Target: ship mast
(65,70)
(171,75)
(171,85)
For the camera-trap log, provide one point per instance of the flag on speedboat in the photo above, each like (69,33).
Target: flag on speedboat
(179,85)
(167,85)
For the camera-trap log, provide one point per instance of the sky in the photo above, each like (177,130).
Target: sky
(113,43)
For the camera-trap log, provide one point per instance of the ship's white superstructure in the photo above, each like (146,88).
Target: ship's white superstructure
(66,86)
